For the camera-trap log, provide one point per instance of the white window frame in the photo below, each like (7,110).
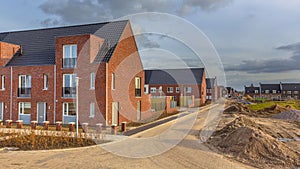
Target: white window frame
(137,82)
(66,107)
(2,82)
(188,89)
(92,80)
(289,92)
(296,92)
(92,109)
(27,81)
(71,80)
(274,91)
(267,91)
(45,77)
(152,89)
(113,81)
(255,91)
(169,89)
(22,107)
(177,89)
(71,50)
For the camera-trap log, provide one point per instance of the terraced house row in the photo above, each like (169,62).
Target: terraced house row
(280,91)
(38,71)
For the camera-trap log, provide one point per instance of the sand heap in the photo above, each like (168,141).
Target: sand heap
(292,115)
(275,109)
(247,142)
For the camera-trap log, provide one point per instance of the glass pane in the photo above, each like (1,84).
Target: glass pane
(67,80)
(28,82)
(74,51)
(72,109)
(73,80)
(23,82)
(67,50)
(27,108)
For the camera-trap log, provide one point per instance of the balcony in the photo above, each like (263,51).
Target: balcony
(138,92)
(69,92)
(69,62)
(24,92)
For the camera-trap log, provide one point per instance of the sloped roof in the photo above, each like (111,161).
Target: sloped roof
(210,83)
(290,86)
(270,87)
(251,89)
(38,46)
(174,76)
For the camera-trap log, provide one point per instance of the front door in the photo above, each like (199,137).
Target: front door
(1,110)
(41,112)
(138,116)
(115,113)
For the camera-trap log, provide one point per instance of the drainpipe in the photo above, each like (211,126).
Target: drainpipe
(54,95)
(106,93)
(11,85)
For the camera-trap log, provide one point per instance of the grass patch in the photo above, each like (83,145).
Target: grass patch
(267,104)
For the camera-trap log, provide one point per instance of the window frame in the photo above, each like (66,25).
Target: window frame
(113,81)
(71,80)
(2,82)
(28,81)
(71,51)
(45,80)
(21,108)
(66,107)
(92,110)
(92,80)
(274,91)
(154,91)
(187,89)
(177,89)
(267,91)
(170,90)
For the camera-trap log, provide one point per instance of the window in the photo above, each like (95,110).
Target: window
(274,91)
(188,89)
(177,89)
(113,81)
(296,92)
(255,91)
(24,108)
(138,87)
(24,86)
(92,80)
(69,56)
(153,90)
(267,91)
(69,109)
(45,76)
(2,87)
(92,109)
(289,92)
(170,90)
(208,91)
(1,110)
(283,92)
(69,85)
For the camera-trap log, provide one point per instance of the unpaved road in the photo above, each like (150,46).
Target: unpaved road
(189,153)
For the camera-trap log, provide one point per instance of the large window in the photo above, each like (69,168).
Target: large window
(24,108)
(45,81)
(69,85)
(92,109)
(69,109)
(2,86)
(92,80)
(69,56)
(169,89)
(24,86)
(137,87)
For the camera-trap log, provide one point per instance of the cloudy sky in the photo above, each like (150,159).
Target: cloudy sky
(257,41)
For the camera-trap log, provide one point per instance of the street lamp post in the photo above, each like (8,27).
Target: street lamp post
(77,84)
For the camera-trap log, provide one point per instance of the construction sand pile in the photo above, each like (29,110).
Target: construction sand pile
(275,109)
(247,142)
(292,115)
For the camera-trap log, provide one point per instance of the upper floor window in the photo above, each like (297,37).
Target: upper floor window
(45,76)
(289,92)
(296,92)
(169,89)
(24,86)
(113,81)
(137,87)
(177,89)
(92,109)
(267,91)
(69,56)
(69,85)
(208,91)
(188,89)
(274,91)
(2,86)
(153,90)
(255,91)
(92,80)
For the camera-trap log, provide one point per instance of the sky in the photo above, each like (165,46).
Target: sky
(256,41)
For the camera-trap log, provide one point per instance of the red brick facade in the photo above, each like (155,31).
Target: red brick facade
(125,64)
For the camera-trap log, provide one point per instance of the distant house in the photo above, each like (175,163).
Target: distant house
(270,91)
(290,90)
(176,83)
(211,89)
(252,91)
(221,91)
(230,92)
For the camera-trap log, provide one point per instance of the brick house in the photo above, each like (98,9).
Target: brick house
(211,89)
(38,70)
(290,90)
(252,91)
(176,83)
(270,91)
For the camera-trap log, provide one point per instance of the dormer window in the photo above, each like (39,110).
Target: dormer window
(69,56)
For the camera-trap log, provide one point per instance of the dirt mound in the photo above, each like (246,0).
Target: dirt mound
(247,142)
(275,109)
(292,115)
(232,108)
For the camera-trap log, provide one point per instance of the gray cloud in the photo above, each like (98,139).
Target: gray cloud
(78,11)
(271,65)
(145,42)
